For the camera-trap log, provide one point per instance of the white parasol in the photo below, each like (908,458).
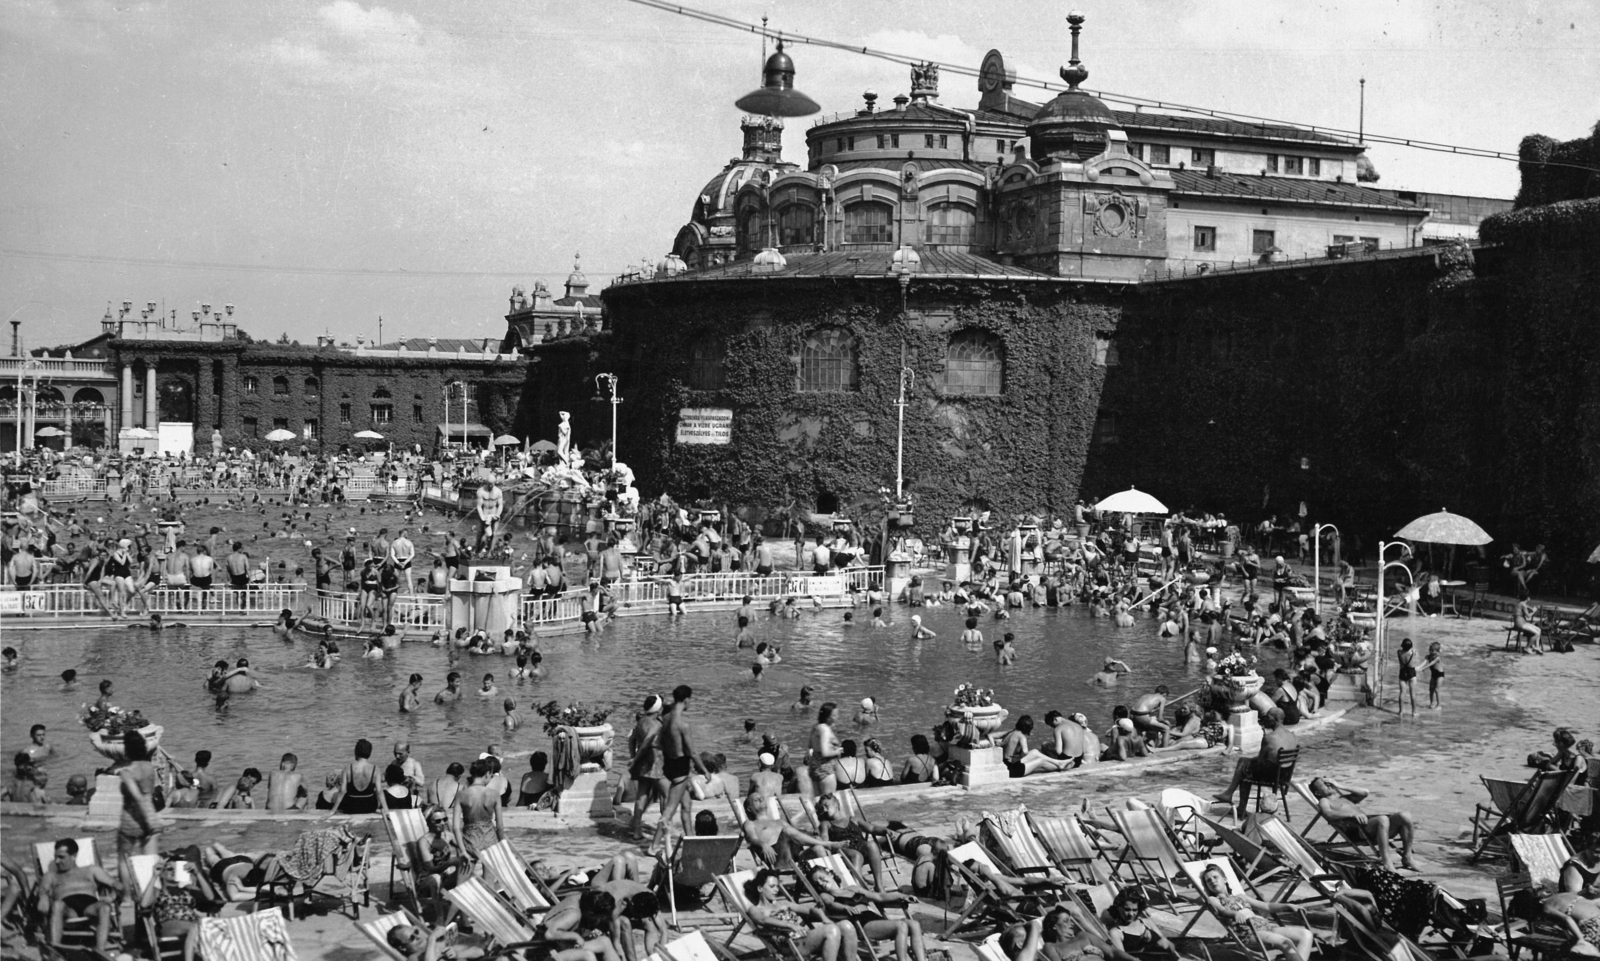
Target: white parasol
(1131,501)
(1444,528)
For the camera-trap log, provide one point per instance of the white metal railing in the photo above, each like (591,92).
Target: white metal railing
(57,365)
(651,594)
(69,600)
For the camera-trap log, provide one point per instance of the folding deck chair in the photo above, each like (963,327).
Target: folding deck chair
(1534,937)
(1009,836)
(75,932)
(348,865)
(1185,812)
(512,875)
(1529,812)
(490,913)
(262,936)
(694,866)
(144,868)
(406,829)
(1193,872)
(377,930)
(731,887)
(1542,856)
(1072,849)
(1303,864)
(1149,846)
(985,901)
(1340,838)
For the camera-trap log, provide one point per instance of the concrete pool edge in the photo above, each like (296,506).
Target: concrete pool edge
(525,820)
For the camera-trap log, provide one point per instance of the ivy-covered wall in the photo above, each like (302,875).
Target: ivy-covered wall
(1377,390)
(1018,452)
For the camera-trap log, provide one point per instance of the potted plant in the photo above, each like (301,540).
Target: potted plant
(975,714)
(588,723)
(1238,672)
(107,727)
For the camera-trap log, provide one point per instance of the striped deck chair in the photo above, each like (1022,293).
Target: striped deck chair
(1010,837)
(510,873)
(989,949)
(1150,847)
(1185,812)
(1194,872)
(406,829)
(986,902)
(1073,851)
(1530,811)
(1304,864)
(694,866)
(377,930)
(262,936)
(778,945)
(489,912)
(1542,856)
(1259,865)
(144,868)
(690,947)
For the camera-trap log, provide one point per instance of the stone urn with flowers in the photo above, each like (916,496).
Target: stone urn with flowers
(589,728)
(975,715)
(1238,673)
(108,727)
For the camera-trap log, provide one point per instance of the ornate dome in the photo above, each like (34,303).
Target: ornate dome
(1073,125)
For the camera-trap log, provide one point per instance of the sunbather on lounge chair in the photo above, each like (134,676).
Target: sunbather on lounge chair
(1056,938)
(1578,915)
(849,902)
(584,921)
(772,838)
(1377,828)
(176,898)
(1244,912)
(1129,931)
(859,835)
(822,937)
(238,876)
(419,944)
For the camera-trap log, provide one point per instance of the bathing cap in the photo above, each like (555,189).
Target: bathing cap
(1125,725)
(1211,650)
(916,618)
(866,703)
(652,704)
(768,759)
(1110,661)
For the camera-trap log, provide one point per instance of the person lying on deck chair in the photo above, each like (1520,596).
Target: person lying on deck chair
(1346,816)
(772,839)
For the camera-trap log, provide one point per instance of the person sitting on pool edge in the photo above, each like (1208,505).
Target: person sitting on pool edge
(1020,760)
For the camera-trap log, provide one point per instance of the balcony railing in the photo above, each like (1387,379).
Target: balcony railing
(48,366)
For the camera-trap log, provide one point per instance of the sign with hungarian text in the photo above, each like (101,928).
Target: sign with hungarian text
(705,425)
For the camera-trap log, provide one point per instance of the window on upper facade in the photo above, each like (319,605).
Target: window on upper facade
(1272,163)
(383,413)
(1294,166)
(828,361)
(1160,154)
(927,140)
(750,232)
(1262,241)
(894,140)
(1373,244)
(881,141)
(1105,349)
(313,387)
(313,428)
(839,145)
(952,224)
(1202,156)
(252,427)
(416,413)
(706,359)
(1205,238)
(974,363)
(251,385)
(1313,167)
(868,222)
(1105,427)
(280,423)
(797,224)
(344,413)
(944,141)
(280,387)
(1000,145)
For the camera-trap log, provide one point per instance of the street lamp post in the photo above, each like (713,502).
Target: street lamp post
(907,376)
(610,383)
(1316,561)
(1375,669)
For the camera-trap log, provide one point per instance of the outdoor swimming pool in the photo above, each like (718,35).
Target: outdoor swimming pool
(319,714)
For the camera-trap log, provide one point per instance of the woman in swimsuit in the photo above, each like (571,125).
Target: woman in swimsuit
(849,769)
(825,749)
(853,903)
(859,836)
(1244,914)
(822,939)
(919,768)
(1128,933)
(1407,656)
(879,773)
(359,794)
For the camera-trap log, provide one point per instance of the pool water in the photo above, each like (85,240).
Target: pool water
(319,714)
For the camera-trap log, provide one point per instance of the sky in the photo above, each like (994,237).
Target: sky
(321,165)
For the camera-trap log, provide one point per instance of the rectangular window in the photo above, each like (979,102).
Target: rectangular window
(1000,145)
(894,140)
(868,223)
(1294,166)
(1160,154)
(1205,238)
(344,413)
(1202,156)
(1105,428)
(1105,350)
(1343,239)
(252,427)
(1262,241)
(1313,166)
(839,147)
(881,140)
(927,140)
(1136,151)
(280,423)
(944,142)
(1272,163)
(313,430)
(280,387)
(251,385)
(383,413)
(416,413)
(850,143)
(1372,243)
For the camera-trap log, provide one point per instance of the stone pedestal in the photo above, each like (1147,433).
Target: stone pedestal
(1348,690)
(589,796)
(984,765)
(1246,728)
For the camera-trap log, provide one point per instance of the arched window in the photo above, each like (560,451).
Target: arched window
(313,387)
(382,393)
(382,406)
(750,239)
(828,361)
(280,387)
(952,224)
(975,363)
(868,223)
(705,363)
(797,224)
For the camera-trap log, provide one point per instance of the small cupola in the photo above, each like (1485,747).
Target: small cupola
(1073,125)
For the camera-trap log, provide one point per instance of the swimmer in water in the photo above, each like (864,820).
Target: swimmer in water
(488,689)
(804,702)
(745,638)
(9,657)
(877,618)
(452,689)
(849,619)
(868,714)
(755,671)
(1110,673)
(1005,651)
(767,654)
(513,720)
(972,638)
(918,632)
(411,697)
(1124,618)
(69,677)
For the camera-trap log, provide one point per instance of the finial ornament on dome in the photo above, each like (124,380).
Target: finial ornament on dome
(1075,72)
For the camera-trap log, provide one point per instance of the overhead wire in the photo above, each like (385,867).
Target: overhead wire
(275,268)
(1048,85)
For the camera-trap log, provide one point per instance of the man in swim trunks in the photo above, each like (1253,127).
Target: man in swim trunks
(491,504)
(1378,829)
(70,887)
(771,836)
(1264,765)
(1110,672)
(284,790)
(238,564)
(1146,714)
(678,762)
(202,566)
(401,553)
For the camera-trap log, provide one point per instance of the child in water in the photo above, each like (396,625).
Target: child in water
(972,638)
(1005,651)
(1435,672)
(488,689)
(877,618)
(744,638)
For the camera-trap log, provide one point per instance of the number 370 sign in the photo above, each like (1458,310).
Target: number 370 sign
(705,425)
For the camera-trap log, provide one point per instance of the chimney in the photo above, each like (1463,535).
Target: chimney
(1212,171)
(16,338)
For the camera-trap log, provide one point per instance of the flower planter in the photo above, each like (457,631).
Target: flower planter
(112,747)
(594,744)
(1197,577)
(1242,689)
(977,724)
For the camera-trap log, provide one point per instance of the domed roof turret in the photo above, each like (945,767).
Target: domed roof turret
(577,283)
(1073,125)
